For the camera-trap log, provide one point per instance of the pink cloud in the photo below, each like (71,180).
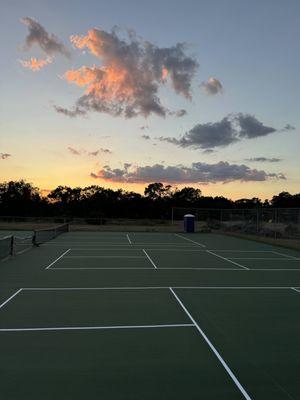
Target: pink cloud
(36,65)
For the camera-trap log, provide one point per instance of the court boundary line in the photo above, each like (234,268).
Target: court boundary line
(100,268)
(285,255)
(17,253)
(264,258)
(107,256)
(10,298)
(178,268)
(295,289)
(150,259)
(103,327)
(227,259)
(212,347)
(161,288)
(128,238)
(58,258)
(190,240)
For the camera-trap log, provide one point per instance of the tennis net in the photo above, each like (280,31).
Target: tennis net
(44,235)
(6,246)
(21,244)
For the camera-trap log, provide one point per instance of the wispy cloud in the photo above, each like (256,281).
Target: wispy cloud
(34,64)
(231,129)
(264,159)
(69,113)
(132,71)
(94,153)
(197,173)
(288,127)
(75,152)
(4,156)
(47,42)
(212,86)
(180,113)
(97,152)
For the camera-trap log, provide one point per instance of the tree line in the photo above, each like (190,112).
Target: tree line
(20,198)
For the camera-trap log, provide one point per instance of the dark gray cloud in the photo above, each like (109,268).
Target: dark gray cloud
(251,127)
(146,137)
(38,35)
(4,156)
(264,159)
(207,136)
(69,113)
(231,129)
(198,173)
(131,73)
(212,86)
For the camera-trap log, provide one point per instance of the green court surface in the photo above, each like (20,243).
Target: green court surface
(141,316)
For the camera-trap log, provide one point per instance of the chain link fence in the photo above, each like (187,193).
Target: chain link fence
(275,223)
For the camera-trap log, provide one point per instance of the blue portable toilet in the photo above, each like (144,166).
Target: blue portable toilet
(189,223)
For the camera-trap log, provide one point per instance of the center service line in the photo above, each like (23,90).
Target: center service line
(215,351)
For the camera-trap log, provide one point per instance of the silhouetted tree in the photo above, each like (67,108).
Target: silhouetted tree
(22,199)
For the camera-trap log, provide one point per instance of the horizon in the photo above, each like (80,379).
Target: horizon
(95,95)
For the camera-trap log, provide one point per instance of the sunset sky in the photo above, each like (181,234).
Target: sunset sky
(120,94)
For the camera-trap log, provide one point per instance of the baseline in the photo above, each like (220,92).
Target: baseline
(87,328)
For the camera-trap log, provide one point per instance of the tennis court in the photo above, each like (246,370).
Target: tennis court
(150,316)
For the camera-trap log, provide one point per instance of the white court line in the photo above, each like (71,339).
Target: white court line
(286,255)
(88,328)
(212,347)
(226,259)
(296,290)
(10,298)
(104,257)
(264,258)
(128,238)
(135,247)
(160,288)
(190,240)
(58,258)
(177,268)
(150,259)
(23,251)
(99,243)
(105,268)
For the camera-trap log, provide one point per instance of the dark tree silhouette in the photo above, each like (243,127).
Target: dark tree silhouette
(19,198)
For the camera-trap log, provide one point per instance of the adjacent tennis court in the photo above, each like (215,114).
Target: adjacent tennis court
(150,316)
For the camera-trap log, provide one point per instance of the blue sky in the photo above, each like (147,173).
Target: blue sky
(251,48)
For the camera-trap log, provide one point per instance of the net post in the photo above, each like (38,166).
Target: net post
(11,251)
(34,240)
